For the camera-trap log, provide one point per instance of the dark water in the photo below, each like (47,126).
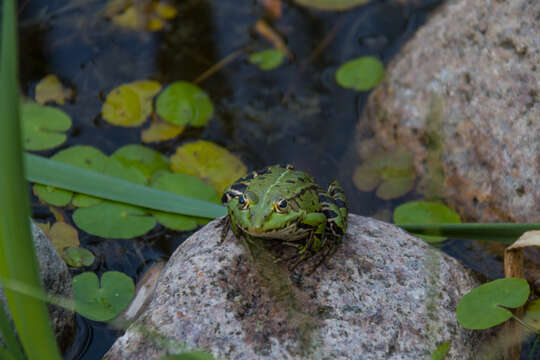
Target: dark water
(294,114)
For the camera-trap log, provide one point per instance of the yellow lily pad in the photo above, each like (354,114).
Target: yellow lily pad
(50,89)
(130,104)
(161,131)
(209,162)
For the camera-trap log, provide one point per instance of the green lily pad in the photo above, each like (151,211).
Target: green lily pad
(331,4)
(267,59)
(192,355)
(82,156)
(147,160)
(481,307)
(77,257)
(441,352)
(116,168)
(102,302)
(185,185)
(183,103)
(209,162)
(43,127)
(114,220)
(392,172)
(423,212)
(360,74)
(83,200)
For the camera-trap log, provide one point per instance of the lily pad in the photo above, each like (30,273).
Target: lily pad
(423,212)
(102,302)
(63,236)
(183,103)
(392,172)
(267,59)
(114,220)
(52,195)
(43,127)
(147,160)
(130,104)
(83,200)
(185,185)
(484,306)
(360,74)
(160,131)
(208,161)
(50,89)
(116,168)
(331,4)
(78,257)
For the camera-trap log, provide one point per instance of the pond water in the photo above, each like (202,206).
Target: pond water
(295,113)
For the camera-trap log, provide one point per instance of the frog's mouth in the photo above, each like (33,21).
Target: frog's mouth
(289,232)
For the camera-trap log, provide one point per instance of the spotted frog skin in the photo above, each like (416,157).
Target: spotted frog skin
(282,203)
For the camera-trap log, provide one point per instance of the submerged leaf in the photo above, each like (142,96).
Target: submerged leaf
(50,89)
(360,74)
(208,161)
(43,127)
(482,307)
(267,59)
(63,236)
(102,302)
(77,257)
(423,212)
(183,103)
(114,220)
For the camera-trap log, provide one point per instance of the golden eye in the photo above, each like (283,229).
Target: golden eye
(243,201)
(280,206)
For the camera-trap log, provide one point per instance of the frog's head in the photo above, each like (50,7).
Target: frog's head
(263,216)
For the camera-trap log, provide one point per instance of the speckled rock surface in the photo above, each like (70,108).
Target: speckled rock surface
(383,295)
(57,281)
(465,93)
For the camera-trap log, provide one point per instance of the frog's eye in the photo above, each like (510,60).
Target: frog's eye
(243,201)
(281,206)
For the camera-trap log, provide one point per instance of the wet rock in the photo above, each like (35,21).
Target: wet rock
(383,295)
(56,280)
(464,97)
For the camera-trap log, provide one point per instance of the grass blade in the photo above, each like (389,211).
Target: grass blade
(58,174)
(496,232)
(17,256)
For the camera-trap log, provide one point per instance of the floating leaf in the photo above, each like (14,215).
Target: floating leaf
(208,161)
(160,131)
(331,4)
(423,212)
(183,103)
(147,160)
(393,173)
(102,302)
(116,168)
(113,220)
(360,74)
(482,307)
(441,352)
(186,185)
(62,236)
(43,127)
(83,200)
(50,89)
(77,257)
(149,16)
(52,195)
(130,104)
(165,11)
(267,59)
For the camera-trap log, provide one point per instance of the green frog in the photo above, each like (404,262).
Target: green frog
(282,203)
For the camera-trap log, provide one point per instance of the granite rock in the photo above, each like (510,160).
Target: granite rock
(383,295)
(463,96)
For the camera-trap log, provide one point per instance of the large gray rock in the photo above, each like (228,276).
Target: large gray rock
(383,295)
(464,97)
(56,280)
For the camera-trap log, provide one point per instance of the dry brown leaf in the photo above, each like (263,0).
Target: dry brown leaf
(272,8)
